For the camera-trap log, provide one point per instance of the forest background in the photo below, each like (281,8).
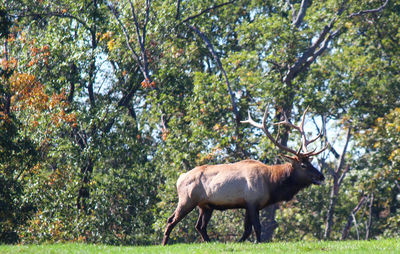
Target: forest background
(104,103)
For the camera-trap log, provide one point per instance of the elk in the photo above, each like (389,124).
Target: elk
(247,184)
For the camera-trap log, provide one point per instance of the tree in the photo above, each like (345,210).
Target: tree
(381,165)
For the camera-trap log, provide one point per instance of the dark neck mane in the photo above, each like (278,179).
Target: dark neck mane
(285,187)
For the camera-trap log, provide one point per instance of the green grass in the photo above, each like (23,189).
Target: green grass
(369,247)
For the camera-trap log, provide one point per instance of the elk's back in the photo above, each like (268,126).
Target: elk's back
(225,185)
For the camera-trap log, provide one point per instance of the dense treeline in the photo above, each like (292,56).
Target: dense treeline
(104,103)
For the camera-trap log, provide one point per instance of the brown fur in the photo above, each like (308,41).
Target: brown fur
(279,172)
(247,184)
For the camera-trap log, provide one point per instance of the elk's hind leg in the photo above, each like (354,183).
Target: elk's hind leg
(180,212)
(247,227)
(202,222)
(171,218)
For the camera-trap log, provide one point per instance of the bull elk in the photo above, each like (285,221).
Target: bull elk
(247,184)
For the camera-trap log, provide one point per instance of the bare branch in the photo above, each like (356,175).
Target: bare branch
(213,53)
(371,202)
(333,151)
(315,49)
(178,9)
(142,38)
(350,219)
(346,169)
(127,38)
(137,28)
(205,10)
(143,63)
(143,46)
(302,12)
(293,9)
(320,45)
(55,14)
(322,48)
(219,64)
(336,185)
(146,21)
(342,155)
(308,54)
(369,11)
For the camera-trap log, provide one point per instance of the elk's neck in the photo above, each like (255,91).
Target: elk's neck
(284,185)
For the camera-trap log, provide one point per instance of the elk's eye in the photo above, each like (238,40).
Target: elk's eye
(303,165)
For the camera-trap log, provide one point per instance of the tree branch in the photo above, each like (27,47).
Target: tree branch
(315,49)
(293,9)
(333,151)
(127,37)
(205,10)
(371,202)
(142,38)
(143,48)
(142,63)
(231,94)
(342,155)
(302,12)
(178,9)
(219,64)
(298,66)
(136,23)
(346,169)
(212,50)
(322,48)
(369,11)
(146,21)
(335,187)
(350,219)
(56,14)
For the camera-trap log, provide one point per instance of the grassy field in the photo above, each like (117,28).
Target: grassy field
(376,246)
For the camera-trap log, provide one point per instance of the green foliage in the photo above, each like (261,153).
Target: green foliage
(17,156)
(5,23)
(381,166)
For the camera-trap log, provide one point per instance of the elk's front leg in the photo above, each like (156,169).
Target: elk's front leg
(255,221)
(247,227)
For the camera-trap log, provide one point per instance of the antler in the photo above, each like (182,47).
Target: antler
(263,126)
(304,141)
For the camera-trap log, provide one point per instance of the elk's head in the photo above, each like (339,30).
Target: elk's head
(304,171)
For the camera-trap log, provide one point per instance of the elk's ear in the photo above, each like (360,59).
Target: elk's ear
(288,158)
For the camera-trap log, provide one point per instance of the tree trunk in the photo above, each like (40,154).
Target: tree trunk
(331,208)
(268,222)
(350,219)
(338,175)
(368,228)
(84,193)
